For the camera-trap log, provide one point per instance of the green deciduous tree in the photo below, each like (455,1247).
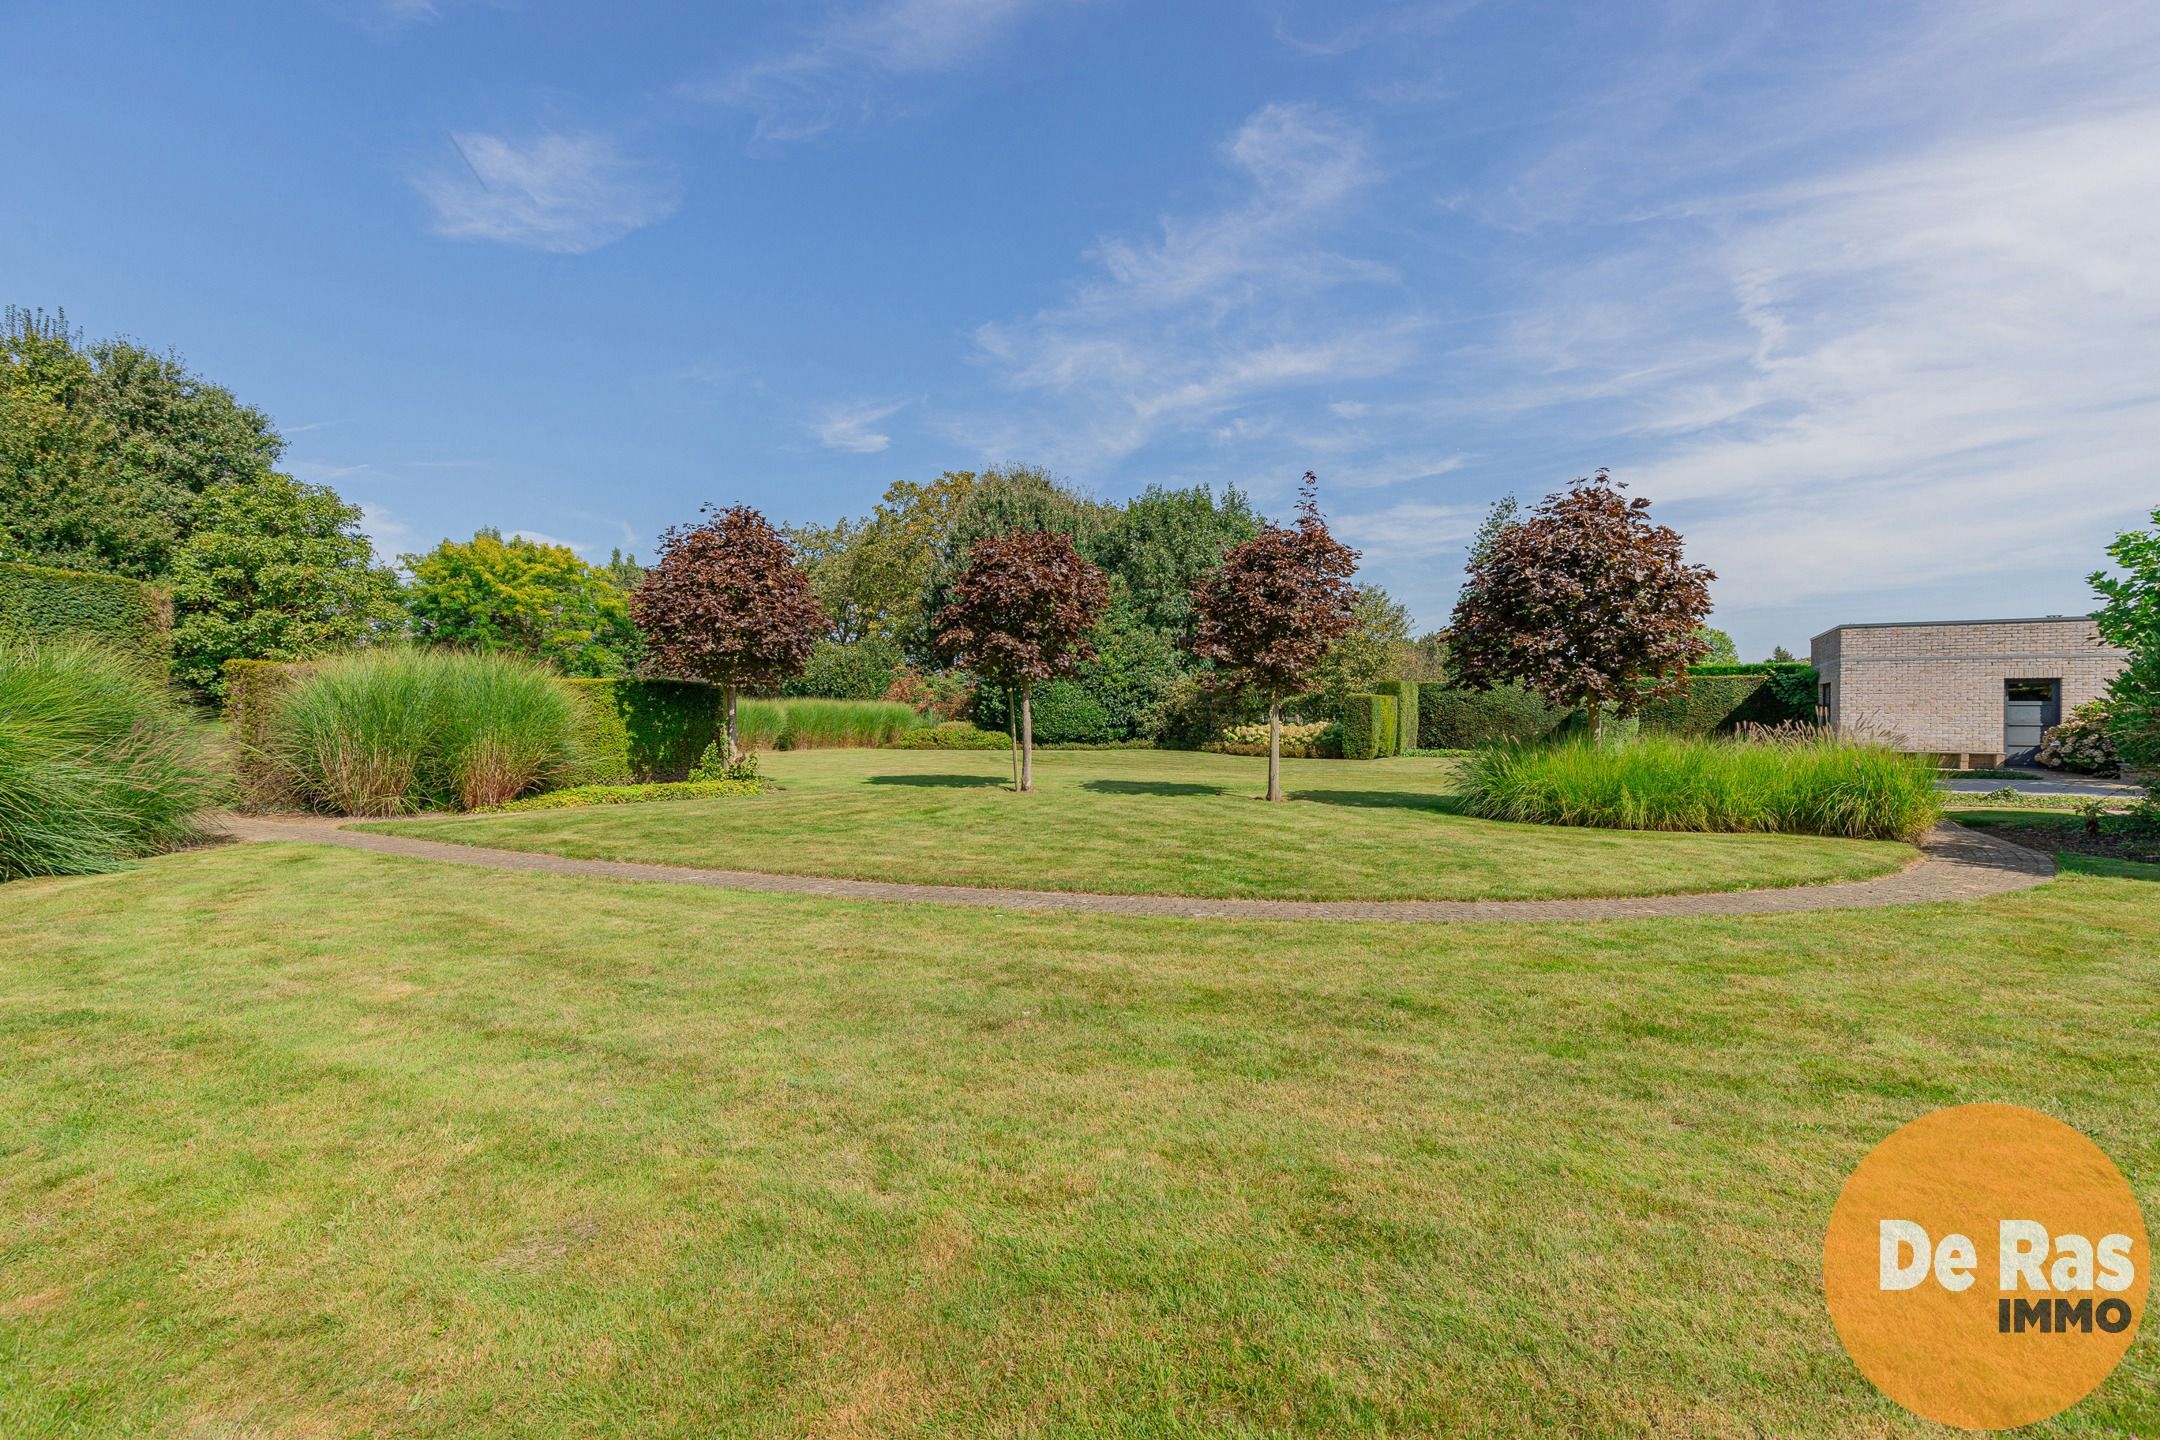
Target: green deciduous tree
(274,570)
(1159,545)
(2129,617)
(1718,647)
(1371,650)
(522,596)
(105,448)
(873,575)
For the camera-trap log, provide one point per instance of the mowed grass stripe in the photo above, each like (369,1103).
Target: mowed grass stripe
(1160,823)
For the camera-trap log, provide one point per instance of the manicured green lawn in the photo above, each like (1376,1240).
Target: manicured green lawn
(305,1142)
(1158,823)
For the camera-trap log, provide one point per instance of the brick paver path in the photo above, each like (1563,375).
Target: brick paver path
(1956,864)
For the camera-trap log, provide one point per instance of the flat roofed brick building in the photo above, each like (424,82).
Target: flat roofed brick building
(1976,692)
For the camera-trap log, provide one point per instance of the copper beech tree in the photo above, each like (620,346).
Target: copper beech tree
(1586,601)
(1268,615)
(727,604)
(1020,614)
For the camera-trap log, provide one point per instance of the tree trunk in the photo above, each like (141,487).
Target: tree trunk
(1596,715)
(734,735)
(1274,749)
(1027,736)
(1012,729)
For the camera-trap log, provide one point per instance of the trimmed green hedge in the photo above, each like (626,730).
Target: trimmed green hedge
(1721,698)
(643,730)
(37,603)
(251,690)
(1370,727)
(1451,718)
(953,735)
(1405,694)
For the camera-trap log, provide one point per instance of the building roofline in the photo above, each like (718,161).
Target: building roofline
(1924,624)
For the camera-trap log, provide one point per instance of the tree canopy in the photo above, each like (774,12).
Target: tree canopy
(275,570)
(1270,613)
(1587,601)
(2129,617)
(1020,613)
(726,603)
(106,448)
(539,600)
(1160,544)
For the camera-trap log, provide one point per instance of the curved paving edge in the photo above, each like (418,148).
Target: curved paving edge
(1956,864)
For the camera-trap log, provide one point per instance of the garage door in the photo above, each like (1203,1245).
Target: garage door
(2030,709)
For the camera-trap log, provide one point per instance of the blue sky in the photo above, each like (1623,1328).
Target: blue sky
(1864,297)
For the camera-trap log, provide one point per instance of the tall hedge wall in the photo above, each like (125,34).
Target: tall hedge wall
(1450,718)
(1405,695)
(1369,727)
(644,730)
(37,603)
(251,689)
(1722,697)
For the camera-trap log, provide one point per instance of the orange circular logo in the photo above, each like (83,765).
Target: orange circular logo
(1986,1266)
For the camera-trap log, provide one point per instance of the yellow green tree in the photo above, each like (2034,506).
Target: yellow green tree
(491,593)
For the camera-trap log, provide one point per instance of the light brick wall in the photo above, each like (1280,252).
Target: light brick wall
(1940,687)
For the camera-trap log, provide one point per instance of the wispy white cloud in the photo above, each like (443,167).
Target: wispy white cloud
(1957,344)
(563,193)
(835,72)
(1217,311)
(851,427)
(540,538)
(387,532)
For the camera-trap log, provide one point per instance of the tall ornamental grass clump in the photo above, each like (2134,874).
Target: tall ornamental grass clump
(99,763)
(809,724)
(390,732)
(1817,783)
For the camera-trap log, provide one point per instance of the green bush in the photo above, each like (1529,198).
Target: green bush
(1369,726)
(953,735)
(1191,713)
(863,670)
(389,732)
(1452,718)
(642,730)
(1313,740)
(252,688)
(1405,695)
(1721,698)
(99,763)
(810,724)
(577,795)
(1816,785)
(38,604)
(1064,713)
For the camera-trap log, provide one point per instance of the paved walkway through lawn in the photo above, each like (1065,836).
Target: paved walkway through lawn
(1956,864)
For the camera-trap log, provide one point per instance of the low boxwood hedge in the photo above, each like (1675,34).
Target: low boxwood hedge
(953,735)
(576,795)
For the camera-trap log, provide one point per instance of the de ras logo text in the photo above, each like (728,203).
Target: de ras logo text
(1986,1266)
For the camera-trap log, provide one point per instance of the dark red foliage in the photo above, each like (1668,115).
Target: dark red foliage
(1587,602)
(1022,609)
(726,603)
(1270,612)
